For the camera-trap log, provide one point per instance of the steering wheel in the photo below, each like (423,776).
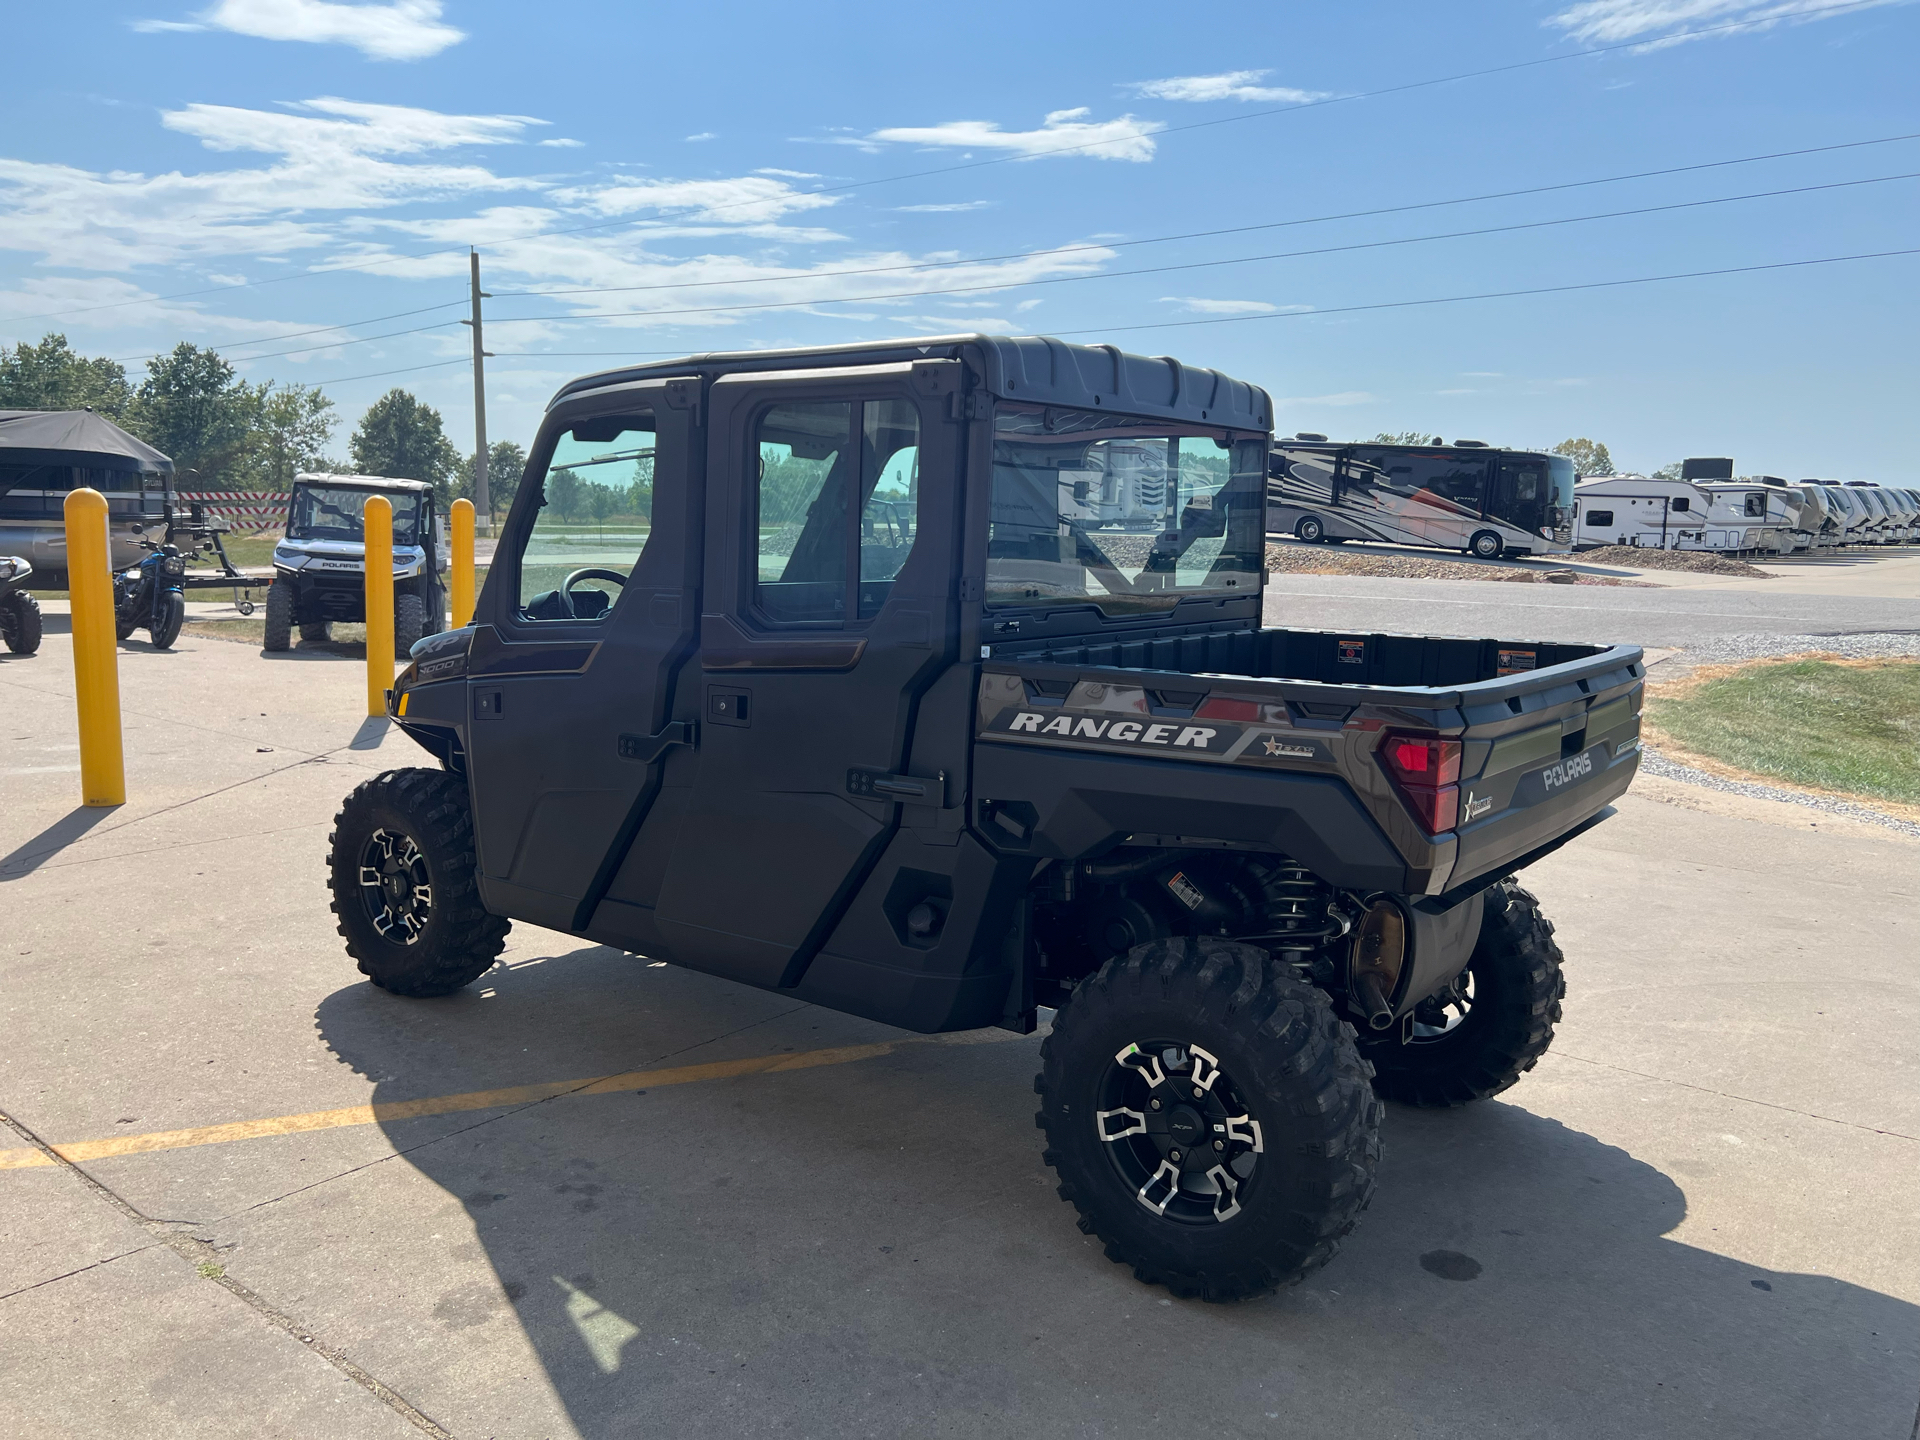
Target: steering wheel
(591,573)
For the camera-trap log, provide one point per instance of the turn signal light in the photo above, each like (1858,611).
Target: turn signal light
(1425,769)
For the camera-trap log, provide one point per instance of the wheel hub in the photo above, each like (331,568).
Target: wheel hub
(1177,1133)
(396,886)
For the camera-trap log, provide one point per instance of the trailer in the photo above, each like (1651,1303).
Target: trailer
(1640,512)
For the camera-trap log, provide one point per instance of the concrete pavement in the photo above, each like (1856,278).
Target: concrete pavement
(1692,1219)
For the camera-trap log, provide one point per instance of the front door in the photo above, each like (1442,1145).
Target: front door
(587,615)
(831,555)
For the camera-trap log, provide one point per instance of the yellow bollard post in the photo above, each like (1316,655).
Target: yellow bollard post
(378,525)
(462,562)
(96,650)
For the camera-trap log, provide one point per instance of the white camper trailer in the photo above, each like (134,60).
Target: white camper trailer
(1747,515)
(1640,512)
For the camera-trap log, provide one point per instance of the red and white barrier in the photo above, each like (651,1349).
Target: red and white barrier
(249,512)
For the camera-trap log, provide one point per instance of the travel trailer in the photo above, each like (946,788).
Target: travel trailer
(1641,512)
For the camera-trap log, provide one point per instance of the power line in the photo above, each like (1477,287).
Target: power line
(1001,285)
(1200,234)
(1242,116)
(296,334)
(378,374)
(1496,294)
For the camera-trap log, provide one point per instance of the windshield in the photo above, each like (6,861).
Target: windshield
(1560,479)
(1124,512)
(324,512)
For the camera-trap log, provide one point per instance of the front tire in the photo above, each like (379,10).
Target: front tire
(21,622)
(1241,1167)
(1485,546)
(405,883)
(1492,1025)
(166,629)
(315,632)
(409,624)
(1310,529)
(279,616)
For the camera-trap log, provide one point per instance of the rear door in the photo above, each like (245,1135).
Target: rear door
(830,608)
(572,686)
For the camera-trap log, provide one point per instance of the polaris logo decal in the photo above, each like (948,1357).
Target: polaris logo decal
(1567,771)
(1162,735)
(1273,745)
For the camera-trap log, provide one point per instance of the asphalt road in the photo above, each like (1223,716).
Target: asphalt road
(1575,613)
(594,1196)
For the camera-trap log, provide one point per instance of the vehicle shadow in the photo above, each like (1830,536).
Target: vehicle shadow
(876,1248)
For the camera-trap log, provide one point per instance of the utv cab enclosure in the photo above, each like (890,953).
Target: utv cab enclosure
(855,699)
(319,568)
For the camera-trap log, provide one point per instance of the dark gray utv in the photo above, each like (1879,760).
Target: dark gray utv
(848,695)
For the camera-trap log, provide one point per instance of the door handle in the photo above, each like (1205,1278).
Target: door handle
(649,748)
(908,789)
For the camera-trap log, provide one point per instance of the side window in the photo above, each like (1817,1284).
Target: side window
(836,497)
(1756,505)
(1450,478)
(1681,503)
(593,521)
(1600,517)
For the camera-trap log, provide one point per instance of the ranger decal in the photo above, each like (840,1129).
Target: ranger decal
(1205,738)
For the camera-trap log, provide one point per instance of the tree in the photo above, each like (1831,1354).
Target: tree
(600,499)
(192,408)
(639,497)
(1406,437)
(402,438)
(563,493)
(292,425)
(50,376)
(1589,456)
(1669,472)
(506,463)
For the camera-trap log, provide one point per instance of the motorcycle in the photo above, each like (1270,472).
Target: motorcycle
(150,594)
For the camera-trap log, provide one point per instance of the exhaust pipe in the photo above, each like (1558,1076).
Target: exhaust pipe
(1372,998)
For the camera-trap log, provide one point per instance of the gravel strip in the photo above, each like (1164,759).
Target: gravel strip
(1654,763)
(1698,562)
(1330,560)
(1733,649)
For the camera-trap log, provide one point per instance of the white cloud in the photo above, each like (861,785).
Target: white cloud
(1609,22)
(1123,139)
(1202,306)
(788,174)
(1229,85)
(744,200)
(398,30)
(1334,401)
(952,209)
(703,135)
(561,144)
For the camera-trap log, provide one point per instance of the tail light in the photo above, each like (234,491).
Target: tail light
(1425,769)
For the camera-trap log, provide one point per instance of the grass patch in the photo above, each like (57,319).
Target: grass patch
(1844,726)
(347,639)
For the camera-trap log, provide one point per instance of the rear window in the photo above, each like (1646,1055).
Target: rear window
(1124,512)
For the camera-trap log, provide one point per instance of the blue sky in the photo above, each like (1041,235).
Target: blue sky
(728,154)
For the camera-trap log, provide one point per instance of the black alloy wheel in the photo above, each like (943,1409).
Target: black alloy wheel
(405,884)
(1209,1117)
(1177,1132)
(166,627)
(395,886)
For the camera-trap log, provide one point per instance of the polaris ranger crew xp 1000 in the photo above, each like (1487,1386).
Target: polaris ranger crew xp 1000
(869,711)
(319,569)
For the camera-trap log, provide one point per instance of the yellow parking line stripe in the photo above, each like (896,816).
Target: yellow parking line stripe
(352,1115)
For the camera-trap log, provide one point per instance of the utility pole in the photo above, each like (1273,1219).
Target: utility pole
(481,500)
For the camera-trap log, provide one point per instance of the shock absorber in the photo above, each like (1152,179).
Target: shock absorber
(1299,910)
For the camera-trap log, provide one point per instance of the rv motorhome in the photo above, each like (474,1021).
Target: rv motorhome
(1464,496)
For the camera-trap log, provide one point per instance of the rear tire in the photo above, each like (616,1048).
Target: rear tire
(279,615)
(405,883)
(20,618)
(1485,545)
(1310,529)
(1477,1040)
(409,624)
(166,629)
(315,632)
(1298,1165)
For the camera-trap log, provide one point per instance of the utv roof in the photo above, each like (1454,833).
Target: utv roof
(359,482)
(1018,367)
